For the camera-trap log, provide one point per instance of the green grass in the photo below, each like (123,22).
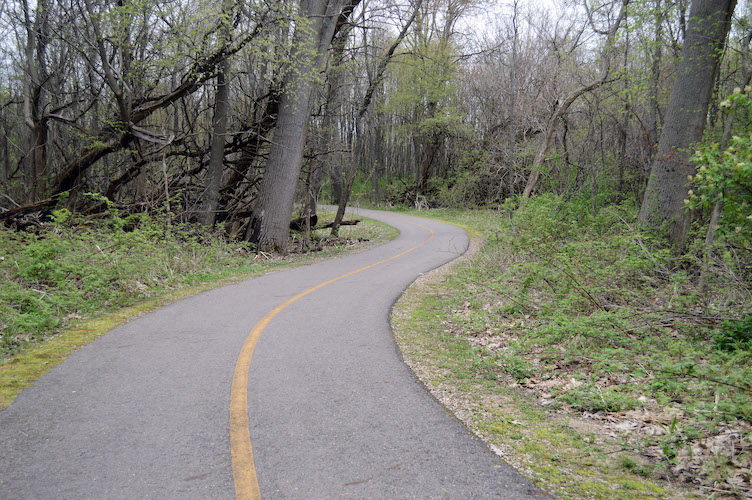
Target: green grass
(77,279)
(572,325)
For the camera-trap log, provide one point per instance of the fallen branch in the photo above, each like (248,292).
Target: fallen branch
(342,223)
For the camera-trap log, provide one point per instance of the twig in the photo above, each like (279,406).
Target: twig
(11,200)
(639,242)
(707,379)
(742,493)
(263,255)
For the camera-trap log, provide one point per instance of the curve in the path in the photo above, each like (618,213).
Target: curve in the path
(244,470)
(142,412)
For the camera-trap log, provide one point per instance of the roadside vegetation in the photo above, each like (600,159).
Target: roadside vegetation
(587,352)
(71,278)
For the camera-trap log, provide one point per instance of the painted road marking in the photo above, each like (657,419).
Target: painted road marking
(243,468)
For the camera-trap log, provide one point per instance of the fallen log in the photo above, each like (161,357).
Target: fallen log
(9,215)
(343,223)
(300,223)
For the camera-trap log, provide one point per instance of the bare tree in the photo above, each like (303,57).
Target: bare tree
(219,125)
(36,85)
(603,78)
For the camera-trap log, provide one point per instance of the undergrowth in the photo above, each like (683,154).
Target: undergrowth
(71,267)
(572,305)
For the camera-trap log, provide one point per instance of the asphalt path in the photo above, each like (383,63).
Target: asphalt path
(332,411)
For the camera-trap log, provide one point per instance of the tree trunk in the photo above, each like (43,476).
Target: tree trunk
(269,228)
(512,129)
(686,116)
(655,74)
(336,174)
(331,135)
(429,150)
(38,159)
(343,202)
(219,128)
(35,83)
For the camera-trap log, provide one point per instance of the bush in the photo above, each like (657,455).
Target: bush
(725,176)
(734,335)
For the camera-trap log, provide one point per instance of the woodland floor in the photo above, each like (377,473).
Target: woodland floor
(597,427)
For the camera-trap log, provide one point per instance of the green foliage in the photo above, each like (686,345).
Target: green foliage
(425,97)
(725,176)
(517,367)
(592,398)
(361,189)
(629,464)
(577,307)
(77,268)
(735,335)
(472,185)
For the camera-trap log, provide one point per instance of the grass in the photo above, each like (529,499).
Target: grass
(586,353)
(76,279)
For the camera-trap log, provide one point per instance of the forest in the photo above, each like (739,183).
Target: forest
(234,114)
(603,148)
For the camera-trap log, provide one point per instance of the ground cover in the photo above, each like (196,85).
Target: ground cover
(585,353)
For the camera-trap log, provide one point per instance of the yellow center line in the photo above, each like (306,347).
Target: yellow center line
(243,468)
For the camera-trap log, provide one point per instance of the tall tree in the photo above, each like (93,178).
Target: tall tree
(686,115)
(655,73)
(314,30)
(219,125)
(512,128)
(36,83)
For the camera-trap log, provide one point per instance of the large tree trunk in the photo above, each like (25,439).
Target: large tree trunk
(708,25)
(269,228)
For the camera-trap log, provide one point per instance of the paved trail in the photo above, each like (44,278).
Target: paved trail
(144,412)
